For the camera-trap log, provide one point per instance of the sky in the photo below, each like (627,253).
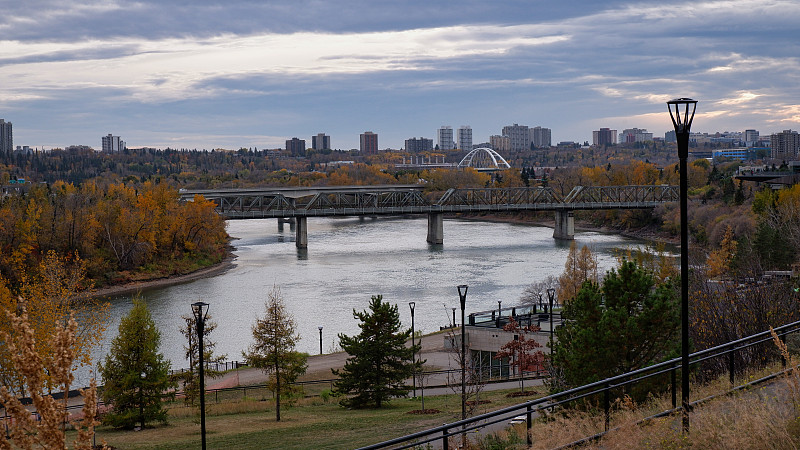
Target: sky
(229,74)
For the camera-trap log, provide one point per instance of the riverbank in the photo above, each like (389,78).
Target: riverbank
(131,288)
(646,233)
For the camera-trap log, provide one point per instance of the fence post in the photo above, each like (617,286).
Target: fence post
(731,364)
(445,444)
(607,404)
(674,381)
(528,426)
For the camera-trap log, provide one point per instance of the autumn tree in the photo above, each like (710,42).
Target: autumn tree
(42,372)
(135,374)
(521,350)
(49,295)
(274,351)
(719,261)
(624,324)
(189,378)
(379,361)
(581,266)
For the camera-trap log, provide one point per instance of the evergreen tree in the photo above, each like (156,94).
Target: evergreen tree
(623,325)
(379,361)
(135,374)
(274,350)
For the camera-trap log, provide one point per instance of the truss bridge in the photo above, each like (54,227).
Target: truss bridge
(299,204)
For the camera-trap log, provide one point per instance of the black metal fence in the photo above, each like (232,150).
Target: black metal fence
(601,389)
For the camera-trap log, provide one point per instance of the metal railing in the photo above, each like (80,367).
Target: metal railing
(603,387)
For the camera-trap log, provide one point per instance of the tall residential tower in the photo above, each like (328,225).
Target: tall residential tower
(6,137)
(465,138)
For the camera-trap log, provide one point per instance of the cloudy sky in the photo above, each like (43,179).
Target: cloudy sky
(230,74)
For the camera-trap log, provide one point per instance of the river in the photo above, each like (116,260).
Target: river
(349,260)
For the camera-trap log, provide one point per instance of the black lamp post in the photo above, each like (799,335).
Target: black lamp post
(551,294)
(200,311)
(462,294)
(682,116)
(454,317)
(413,352)
(320,340)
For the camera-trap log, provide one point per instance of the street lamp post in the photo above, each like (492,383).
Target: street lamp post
(200,311)
(454,317)
(320,340)
(413,352)
(682,116)
(462,294)
(551,294)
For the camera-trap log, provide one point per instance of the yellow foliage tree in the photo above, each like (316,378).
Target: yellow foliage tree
(42,372)
(49,297)
(581,266)
(719,260)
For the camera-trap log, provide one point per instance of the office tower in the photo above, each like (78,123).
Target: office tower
(113,144)
(321,142)
(631,135)
(785,145)
(6,137)
(519,136)
(414,145)
(604,136)
(540,137)
(297,147)
(465,138)
(750,137)
(445,138)
(369,143)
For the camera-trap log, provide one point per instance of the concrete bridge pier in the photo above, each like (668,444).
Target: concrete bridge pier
(435,228)
(283,220)
(565,225)
(301,240)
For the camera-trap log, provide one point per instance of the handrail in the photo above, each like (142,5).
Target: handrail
(443,431)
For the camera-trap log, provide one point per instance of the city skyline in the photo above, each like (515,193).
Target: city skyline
(230,75)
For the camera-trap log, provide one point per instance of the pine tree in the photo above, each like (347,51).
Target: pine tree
(135,374)
(581,266)
(379,361)
(625,324)
(274,349)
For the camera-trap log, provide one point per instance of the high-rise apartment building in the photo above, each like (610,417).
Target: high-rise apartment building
(604,136)
(631,135)
(519,136)
(444,138)
(785,145)
(369,143)
(415,145)
(500,143)
(321,142)
(751,137)
(540,137)
(465,138)
(113,144)
(295,146)
(6,137)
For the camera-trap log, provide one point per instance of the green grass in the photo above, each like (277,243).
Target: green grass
(310,423)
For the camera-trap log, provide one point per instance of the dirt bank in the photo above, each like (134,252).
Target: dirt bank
(128,288)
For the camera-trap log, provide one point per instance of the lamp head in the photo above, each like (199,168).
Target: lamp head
(462,294)
(682,121)
(200,311)
(412,305)
(551,293)
(320,328)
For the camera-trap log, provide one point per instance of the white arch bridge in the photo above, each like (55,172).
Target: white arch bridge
(329,201)
(484,158)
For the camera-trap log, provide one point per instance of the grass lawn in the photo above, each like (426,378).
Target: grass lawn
(310,423)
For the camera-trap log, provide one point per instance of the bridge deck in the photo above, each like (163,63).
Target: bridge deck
(331,201)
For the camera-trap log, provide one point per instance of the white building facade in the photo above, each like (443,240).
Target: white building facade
(465,138)
(113,144)
(444,138)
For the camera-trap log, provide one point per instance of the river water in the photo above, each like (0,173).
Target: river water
(347,261)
